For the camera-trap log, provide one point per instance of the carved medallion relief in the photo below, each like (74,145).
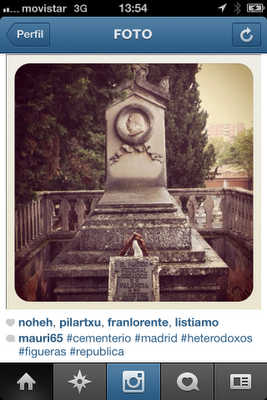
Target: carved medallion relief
(135,126)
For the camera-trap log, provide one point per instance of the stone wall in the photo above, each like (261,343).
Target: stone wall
(240,262)
(30,283)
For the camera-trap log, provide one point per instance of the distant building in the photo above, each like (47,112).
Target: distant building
(229,176)
(225,131)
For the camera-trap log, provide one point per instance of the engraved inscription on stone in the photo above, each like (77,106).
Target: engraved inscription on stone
(135,279)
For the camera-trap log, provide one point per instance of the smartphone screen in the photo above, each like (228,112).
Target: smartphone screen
(132,154)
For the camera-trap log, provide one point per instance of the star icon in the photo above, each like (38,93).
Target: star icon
(79,381)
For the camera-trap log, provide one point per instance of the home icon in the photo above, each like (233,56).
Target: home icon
(26,382)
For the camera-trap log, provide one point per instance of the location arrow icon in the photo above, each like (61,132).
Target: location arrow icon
(222,7)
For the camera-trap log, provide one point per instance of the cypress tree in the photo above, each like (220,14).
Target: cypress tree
(189,157)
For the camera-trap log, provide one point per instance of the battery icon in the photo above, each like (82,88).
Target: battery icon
(255,8)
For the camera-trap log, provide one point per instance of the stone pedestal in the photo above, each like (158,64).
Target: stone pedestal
(169,231)
(184,275)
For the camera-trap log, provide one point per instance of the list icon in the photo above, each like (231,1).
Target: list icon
(240,381)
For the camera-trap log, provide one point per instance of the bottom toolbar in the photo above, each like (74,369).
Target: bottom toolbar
(136,381)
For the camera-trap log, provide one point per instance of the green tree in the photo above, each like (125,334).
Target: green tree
(60,125)
(220,147)
(189,156)
(240,153)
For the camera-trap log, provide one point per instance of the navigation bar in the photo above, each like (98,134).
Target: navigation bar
(135,381)
(133,35)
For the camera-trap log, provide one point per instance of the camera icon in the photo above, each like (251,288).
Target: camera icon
(133,381)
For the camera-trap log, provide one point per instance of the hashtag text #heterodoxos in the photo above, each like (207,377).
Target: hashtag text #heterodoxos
(226,338)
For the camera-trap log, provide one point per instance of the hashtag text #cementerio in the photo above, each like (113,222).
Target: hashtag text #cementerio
(98,339)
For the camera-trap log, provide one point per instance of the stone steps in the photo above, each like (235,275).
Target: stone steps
(81,274)
(96,257)
(78,271)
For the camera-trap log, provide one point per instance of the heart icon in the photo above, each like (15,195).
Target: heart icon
(187,381)
(10,322)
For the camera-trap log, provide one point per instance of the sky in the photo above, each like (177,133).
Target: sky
(226,91)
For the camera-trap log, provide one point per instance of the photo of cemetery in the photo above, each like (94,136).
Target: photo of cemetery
(133,182)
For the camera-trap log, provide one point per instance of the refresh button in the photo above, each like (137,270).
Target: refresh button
(244,35)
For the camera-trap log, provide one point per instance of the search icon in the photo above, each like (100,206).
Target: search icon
(187,382)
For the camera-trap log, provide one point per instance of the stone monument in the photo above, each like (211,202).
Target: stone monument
(136,176)
(135,153)
(136,200)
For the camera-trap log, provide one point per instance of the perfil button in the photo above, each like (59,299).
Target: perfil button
(29,34)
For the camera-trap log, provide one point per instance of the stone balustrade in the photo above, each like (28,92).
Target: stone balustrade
(208,209)
(229,209)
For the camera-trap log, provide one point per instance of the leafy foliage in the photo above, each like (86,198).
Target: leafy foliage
(60,125)
(240,152)
(188,157)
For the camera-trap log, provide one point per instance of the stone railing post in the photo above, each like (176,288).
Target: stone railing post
(64,209)
(208,207)
(80,209)
(192,207)
(48,212)
(226,212)
(28,224)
